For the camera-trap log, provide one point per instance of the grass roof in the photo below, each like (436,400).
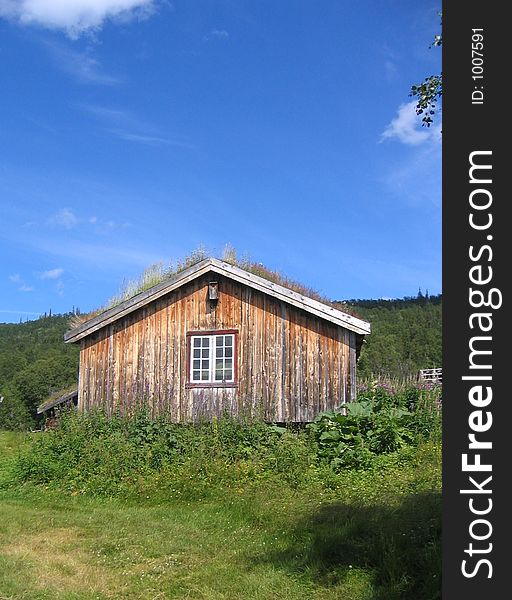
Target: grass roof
(59,395)
(158,272)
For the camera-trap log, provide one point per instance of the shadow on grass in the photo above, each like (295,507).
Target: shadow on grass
(396,548)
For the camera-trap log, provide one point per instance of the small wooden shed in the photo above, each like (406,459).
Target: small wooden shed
(215,339)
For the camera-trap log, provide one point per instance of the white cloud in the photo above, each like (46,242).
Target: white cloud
(110,115)
(150,140)
(139,137)
(102,227)
(65,217)
(422,164)
(216,34)
(83,66)
(51,274)
(75,17)
(406,127)
(18,279)
(126,126)
(390,70)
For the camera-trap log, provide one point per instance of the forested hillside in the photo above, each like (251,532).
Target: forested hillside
(406,336)
(34,361)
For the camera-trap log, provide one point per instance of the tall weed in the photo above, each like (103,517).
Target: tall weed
(137,454)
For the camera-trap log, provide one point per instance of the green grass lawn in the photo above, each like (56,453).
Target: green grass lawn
(375,536)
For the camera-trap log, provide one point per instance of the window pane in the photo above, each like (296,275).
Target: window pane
(203,368)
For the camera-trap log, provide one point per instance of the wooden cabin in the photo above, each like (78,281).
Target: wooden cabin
(216,339)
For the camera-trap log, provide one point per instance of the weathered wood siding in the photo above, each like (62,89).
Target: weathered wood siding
(291,364)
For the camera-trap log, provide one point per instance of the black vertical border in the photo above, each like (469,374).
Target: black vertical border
(471,127)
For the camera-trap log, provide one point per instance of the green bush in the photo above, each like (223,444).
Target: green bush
(381,421)
(14,415)
(112,455)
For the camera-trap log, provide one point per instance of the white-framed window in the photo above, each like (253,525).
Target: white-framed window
(212,358)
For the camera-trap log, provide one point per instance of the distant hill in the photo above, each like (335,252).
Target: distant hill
(406,336)
(34,361)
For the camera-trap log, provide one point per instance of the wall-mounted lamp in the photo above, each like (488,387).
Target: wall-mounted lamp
(213,291)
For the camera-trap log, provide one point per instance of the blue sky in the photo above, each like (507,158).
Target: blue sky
(134,131)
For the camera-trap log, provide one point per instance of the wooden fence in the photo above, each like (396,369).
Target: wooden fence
(432,375)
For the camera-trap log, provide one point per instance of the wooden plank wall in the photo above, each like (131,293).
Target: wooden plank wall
(291,365)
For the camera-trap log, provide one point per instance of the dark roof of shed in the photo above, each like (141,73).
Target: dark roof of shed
(55,401)
(214,265)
